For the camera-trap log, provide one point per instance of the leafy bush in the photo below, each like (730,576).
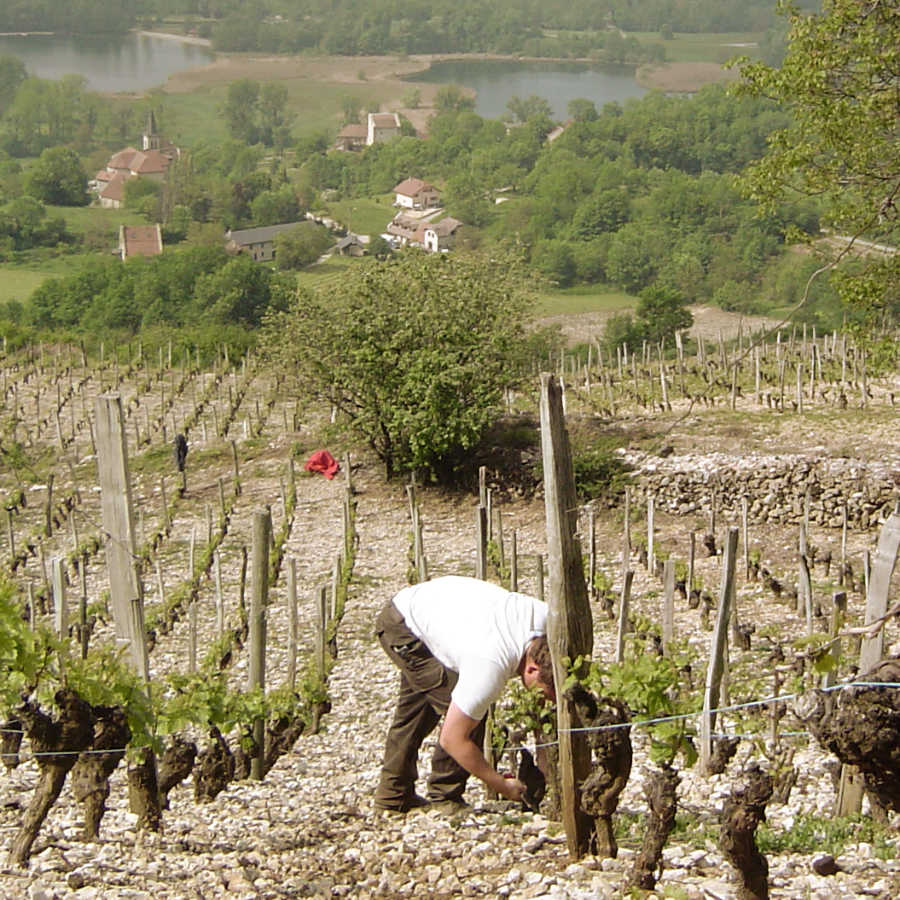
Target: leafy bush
(600,474)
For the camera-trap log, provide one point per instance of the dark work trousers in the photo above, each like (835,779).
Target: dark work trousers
(425,686)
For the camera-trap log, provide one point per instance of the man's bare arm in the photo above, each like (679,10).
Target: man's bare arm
(456,739)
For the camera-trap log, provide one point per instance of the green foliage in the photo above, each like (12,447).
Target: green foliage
(651,686)
(838,78)
(203,699)
(661,312)
(302,246)
(257,113)
(201,286)
(21,654)
(58,178)
(414,351)
(105,678)
(813,834)
(522,709)
(600,473)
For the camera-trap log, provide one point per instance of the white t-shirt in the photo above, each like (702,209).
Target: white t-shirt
(475,628)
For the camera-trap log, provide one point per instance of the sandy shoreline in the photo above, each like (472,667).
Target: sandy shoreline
(181,38)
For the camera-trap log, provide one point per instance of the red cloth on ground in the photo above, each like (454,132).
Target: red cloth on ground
(322,461)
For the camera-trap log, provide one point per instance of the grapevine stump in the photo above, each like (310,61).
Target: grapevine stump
(56,744)
(90,776)
(742,813)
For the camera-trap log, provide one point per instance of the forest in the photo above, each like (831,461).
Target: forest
(386,26)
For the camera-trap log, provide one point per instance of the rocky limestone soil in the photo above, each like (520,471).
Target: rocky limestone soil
(309,829)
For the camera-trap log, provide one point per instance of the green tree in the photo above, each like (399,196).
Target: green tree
(452,98)
(12,74)
(240,293)
(839,78)
(582,110)
(660,312)
(275,207)
(240,110)
(533,107)
(301,246)
(274,127)
(142,195)
(414,351)
(58,178)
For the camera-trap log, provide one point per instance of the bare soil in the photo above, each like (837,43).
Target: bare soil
(709,322)
(683,77)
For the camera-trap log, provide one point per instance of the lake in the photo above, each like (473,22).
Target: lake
(497,81)
(120,63)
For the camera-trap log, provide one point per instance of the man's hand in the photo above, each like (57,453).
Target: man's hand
(512,789)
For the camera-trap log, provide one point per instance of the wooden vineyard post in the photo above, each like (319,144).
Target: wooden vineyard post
(623,616)
(838,616)
(481,542)
(125,586)
(805,601)
(592,554)
(668,609)
(220,600)
(321,629)
(122,561)
(60,609)
(872,649)
(569,625)
(514,561)
(259,595)
(718,649)
(745,537)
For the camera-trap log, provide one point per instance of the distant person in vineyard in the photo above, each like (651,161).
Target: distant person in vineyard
(456,641)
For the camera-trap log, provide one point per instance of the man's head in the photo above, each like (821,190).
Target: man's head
(536,667)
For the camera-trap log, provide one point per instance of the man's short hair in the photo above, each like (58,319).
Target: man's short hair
(539,652)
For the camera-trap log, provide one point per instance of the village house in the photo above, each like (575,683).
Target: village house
(440,236)
(257,243)
(140,240)
(379,127)
(403,228)
(413,193)
(352,137)
(350,245)
(382,127)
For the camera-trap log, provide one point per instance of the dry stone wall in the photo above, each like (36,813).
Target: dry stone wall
(775,487)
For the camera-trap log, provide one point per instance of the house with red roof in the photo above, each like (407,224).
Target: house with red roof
(140,240)
(413,193)
(351,137)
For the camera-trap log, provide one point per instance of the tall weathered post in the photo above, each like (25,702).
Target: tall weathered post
(570,629)
(122,562)
(125,586)
(851,787)
(259,600)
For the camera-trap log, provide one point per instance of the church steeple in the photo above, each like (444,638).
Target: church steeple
(150,140)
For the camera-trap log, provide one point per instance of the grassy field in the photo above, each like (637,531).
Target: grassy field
(321,274)
(19,280)
(364,215)
(316,87)
(584,299)
(713,48)
(83,220)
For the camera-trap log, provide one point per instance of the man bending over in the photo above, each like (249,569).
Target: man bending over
(456,641)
